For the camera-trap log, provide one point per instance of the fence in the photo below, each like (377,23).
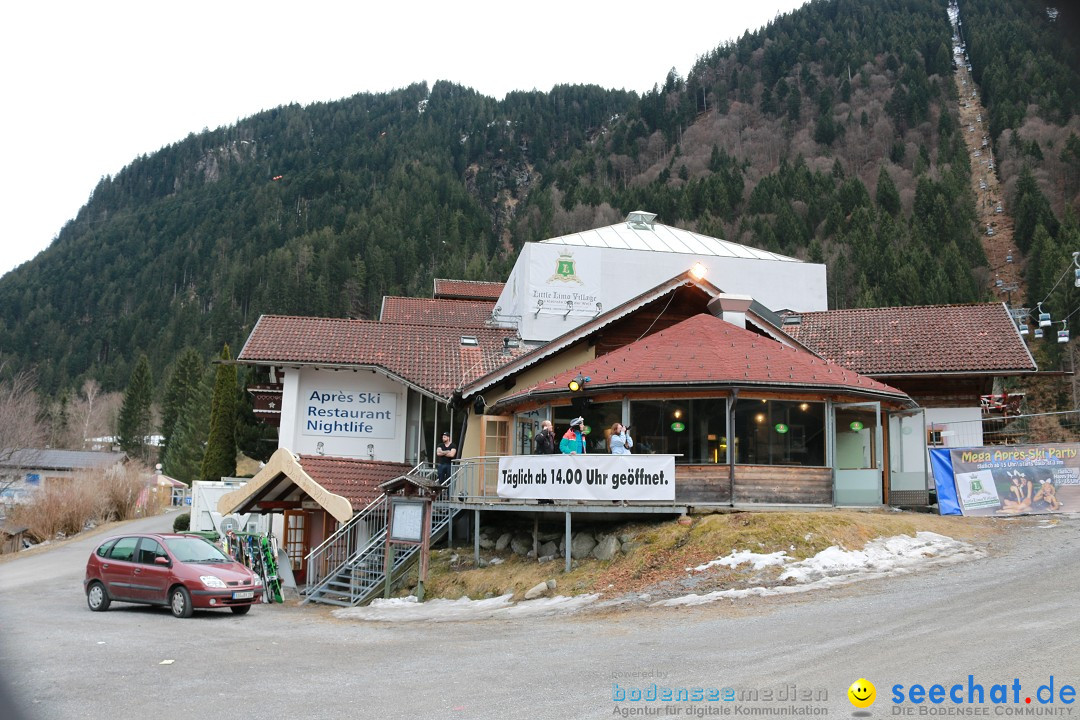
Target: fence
(1007,430)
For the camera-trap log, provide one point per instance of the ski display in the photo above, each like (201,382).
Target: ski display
(258,552)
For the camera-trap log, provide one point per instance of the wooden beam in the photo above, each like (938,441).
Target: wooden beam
(278,505)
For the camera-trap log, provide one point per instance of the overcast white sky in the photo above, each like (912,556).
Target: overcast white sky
(88,87)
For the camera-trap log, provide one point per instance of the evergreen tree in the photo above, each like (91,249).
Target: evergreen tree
(220,458)
(888,199)
(183,384)
(183,458)
(133,427)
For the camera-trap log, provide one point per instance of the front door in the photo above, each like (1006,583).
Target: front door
(908,473)
(296,545)
(857,449)
(526,428)
(117,568)
(149,580)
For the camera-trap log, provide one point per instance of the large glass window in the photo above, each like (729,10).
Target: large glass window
(779,432)
(695,430)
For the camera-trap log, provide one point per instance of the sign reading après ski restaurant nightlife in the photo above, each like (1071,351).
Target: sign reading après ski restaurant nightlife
(349,413)
(587,477)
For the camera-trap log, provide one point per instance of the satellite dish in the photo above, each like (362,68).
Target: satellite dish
(228,523)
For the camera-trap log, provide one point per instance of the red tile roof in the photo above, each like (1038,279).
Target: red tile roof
(707,351)
(538,354)
(467,289)
(444,313)
(431,358)
(929,339)
(355,480)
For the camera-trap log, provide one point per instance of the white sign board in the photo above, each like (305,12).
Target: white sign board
(408,522)
(330,411)
(977,490)
(587,477)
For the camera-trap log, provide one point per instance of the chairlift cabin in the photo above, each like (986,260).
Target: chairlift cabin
(1063,336)
(1044,320)
(1024,329)
(1076,282)
(1038,333)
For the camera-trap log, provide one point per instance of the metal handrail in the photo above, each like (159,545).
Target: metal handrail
(366,566)
(343,528)
(423,467)
(370,578)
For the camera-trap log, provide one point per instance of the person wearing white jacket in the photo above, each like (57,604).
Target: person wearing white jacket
(620,442)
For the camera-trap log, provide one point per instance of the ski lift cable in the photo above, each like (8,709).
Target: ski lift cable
(1057,283)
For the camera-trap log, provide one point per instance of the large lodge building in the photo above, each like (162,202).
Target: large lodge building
(724,359)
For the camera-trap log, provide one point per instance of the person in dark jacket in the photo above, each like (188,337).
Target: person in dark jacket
(545,439)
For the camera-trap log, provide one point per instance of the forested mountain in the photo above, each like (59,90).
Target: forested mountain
(831,135)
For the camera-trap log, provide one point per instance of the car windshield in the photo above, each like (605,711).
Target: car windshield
(195,550)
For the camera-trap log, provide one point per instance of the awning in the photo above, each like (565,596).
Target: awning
(283,484)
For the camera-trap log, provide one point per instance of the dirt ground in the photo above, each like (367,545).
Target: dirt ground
(660,552)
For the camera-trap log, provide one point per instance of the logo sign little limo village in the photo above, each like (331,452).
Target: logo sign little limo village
(587,477)
(1015,479)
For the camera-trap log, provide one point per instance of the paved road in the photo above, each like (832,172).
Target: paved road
(1012,615)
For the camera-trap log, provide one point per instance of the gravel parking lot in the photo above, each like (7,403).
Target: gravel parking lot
(1011,615)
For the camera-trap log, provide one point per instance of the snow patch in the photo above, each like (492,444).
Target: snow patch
(834,566)
(738,557)
(441,610)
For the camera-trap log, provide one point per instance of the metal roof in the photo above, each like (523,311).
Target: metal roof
(640,231)
(49,459)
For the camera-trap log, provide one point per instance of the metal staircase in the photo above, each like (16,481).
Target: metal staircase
(347,569)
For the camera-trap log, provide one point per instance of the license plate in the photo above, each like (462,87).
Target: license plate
(243,594)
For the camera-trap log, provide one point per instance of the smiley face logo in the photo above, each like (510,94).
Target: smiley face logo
(862,693)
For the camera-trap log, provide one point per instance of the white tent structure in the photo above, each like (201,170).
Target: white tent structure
(562,282)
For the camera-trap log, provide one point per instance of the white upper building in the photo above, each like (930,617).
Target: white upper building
(562,282)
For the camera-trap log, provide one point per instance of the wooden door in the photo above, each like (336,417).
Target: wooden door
(296,545)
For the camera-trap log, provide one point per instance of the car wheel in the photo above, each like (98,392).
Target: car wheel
(97,597)
(240,609)
(180,602)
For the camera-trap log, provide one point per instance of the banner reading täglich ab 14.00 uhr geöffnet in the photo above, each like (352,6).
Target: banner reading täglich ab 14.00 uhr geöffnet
(587,477)
(1017,479)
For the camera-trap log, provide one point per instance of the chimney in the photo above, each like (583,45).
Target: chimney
(731,308)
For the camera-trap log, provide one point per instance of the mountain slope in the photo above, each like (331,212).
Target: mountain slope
(832,134)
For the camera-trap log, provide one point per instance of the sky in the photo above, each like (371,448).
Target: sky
(89,87)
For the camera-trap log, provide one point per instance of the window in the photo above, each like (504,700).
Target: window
(599,417)
(124,549)
(103,551)
(149,550)
(779,432)
(496,436)
(695,429)
(190,549)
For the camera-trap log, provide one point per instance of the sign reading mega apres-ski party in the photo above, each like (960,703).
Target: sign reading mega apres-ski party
(587,477)
(1016,479)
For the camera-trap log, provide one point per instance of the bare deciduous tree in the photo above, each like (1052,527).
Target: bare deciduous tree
(90,390)
(21,428)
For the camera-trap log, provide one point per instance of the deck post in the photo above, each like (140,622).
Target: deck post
(567,541)
(476,538)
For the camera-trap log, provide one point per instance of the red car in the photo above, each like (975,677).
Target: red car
(184,572)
